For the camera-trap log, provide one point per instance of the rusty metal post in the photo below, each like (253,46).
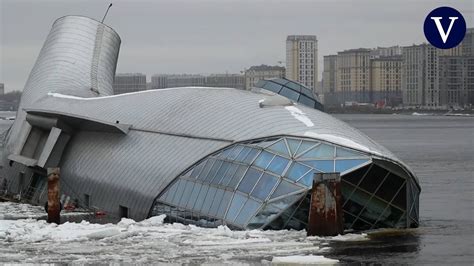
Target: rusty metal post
(325,213)
(54,206)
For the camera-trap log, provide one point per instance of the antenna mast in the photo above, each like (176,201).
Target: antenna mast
(106,13)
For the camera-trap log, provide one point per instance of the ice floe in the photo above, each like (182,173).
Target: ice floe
(149,241)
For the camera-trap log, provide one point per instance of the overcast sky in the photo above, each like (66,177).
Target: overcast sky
(215,36)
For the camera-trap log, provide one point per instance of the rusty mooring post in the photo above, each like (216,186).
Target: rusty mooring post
(325,212)
(54,206)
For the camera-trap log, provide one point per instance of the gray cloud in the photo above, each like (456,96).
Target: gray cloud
(214,36)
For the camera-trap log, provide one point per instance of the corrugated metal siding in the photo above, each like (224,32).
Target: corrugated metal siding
(207,112)
(128,170)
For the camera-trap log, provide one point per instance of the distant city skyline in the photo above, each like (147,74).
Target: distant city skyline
(214,36)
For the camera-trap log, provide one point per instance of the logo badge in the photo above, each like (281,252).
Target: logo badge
(444,27)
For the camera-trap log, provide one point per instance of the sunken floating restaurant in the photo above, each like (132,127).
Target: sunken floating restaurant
(205,156)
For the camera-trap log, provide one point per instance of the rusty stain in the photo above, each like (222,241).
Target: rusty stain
(54,206)
(325,214)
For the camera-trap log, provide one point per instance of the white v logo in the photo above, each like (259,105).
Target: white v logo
(444,35)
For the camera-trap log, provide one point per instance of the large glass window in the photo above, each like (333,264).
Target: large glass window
(290,94)
(243,179)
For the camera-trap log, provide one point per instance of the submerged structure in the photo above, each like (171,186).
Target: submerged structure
(207,156)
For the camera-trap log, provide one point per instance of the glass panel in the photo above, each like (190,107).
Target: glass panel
(357,201)
(206,169)
(264,186)
(290,94)
(272,86)
(326,166)
(179,192)
(373,210)
(225,153)
(224,203)
(305,145)
(389,187)
(228,175)
(197,169)
(321,151)
(247,211)
(284,188)
(263,159)
(269,212)
(355,176)
(293,86)
(296,171)
(278,164)
(287,205)
(250,156)
(280,148)
(293,144)
(401,198)
(245,151)
(201,197)
(208,200)
(186,194)
(164,195)
(260,83)
(220,174)
(373,178)
(237,176)
(171,192)
(343,165)
(280,81)
(307,179)
(306,101)
(235,206)
(251,177)
(341,152)
(216,202)
(194,195)
(265,144)
(213,171)
(235,152)
(390,217)
(307,92)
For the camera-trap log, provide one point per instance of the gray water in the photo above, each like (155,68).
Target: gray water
(440,150)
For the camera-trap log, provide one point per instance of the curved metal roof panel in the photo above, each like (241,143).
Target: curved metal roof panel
(219,113)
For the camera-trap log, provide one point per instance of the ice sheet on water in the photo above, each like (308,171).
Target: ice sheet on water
(346,237)
(13,210)
(309,259)
(148,241)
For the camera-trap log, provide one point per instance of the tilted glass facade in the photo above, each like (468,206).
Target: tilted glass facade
(266,184)
(292,90)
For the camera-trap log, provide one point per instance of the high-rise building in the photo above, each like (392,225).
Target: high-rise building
(329,74)
(385,79)
(302,60)
(129,82)
(329,83)
(363,75)
(353,75)
(420,76)
(2,89)
(438,78)
(456,76)
(256,73)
